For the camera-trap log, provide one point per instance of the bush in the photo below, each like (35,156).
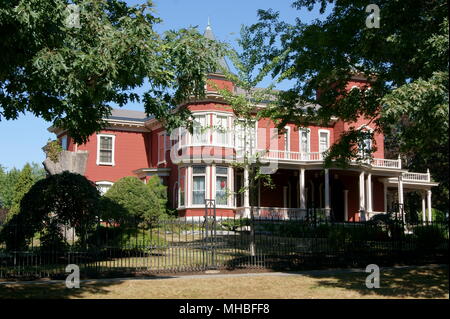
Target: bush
(124,238)
(64,199)
(135,201)
(429,236)
(234,224)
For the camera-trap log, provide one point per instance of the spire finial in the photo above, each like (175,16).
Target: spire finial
(209,22)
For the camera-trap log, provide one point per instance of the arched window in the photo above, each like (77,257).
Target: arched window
(103,186)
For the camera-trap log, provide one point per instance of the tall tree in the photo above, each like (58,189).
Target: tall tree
(405,61)
(7,183)
(67,64)
(9,180)
(24,183)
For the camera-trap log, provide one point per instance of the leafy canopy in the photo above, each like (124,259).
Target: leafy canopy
(63,199)
(70,75)
(130,200)
(405,62)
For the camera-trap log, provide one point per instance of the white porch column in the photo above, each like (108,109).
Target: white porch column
(327,192)
(400,197)
(302,188)
(189,192)
(429,205)
(400,190)
(369,192)
(246,194)
(362,204)
(424,210)
(346,205)
(385,189)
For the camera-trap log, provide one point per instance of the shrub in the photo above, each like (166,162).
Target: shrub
(429,236)
(68,199)
(234,224)
(137,202)
(124,238)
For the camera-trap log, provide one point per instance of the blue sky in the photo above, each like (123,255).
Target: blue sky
(22,140)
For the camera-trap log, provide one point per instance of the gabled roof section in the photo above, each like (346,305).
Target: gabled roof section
(221,61)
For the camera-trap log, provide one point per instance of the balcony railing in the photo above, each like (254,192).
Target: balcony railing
(416,177)
(317,156)
(290,156)
(387,163)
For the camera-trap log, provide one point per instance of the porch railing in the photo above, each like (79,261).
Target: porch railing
(317,156)
(387,163)
(291,156)
(283,213)
(416,177)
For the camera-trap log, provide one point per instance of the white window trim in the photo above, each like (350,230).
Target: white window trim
(103,183)
(371,131)
(229,187)
(288,139)
(112,163)
(164,147)
(227,117)
(207,133)
(191,192)
(328,139)
(185,186)
(308,139)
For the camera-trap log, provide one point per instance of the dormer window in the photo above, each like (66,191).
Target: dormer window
(105,149)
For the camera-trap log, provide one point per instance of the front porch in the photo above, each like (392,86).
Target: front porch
(337,194)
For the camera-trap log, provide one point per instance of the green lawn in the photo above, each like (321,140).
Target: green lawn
(411,282)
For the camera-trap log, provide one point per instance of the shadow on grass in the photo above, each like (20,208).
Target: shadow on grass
(58,290)
(410,282)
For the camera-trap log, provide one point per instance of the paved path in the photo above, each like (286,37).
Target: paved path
(222,275)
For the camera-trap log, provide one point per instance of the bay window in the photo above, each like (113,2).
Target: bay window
(199,184)
(221,185)
(182,187)
(221,129)
(200,135)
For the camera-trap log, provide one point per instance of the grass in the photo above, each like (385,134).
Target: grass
(411,282)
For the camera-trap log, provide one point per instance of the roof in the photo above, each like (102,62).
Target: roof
(221,61)
(240,91)
(129,115)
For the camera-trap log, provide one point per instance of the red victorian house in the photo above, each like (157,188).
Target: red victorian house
(136,145)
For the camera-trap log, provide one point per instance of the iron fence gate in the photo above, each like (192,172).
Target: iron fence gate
(208,242)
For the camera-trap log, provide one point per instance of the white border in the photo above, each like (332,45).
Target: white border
(112,163)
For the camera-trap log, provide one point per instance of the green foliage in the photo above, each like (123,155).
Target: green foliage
(24,182)
(138,202)
(52,239)
(7,185)
(62,199)
(123,237)
(430,236)
(405,61)
(53,149)
(9,180)
(233,224)
(70,75)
